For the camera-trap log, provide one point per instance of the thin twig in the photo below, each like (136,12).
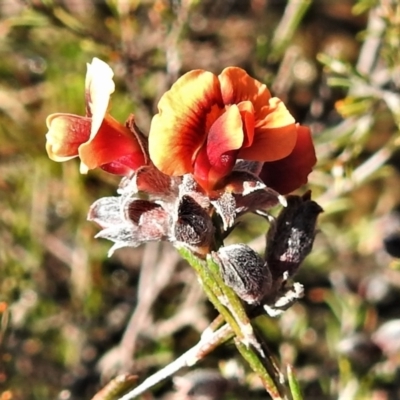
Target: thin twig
(207,344)
(369,52)
(283,34)
(274,390)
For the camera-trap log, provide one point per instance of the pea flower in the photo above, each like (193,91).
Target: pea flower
(96,138)
(206,123)
(219,144)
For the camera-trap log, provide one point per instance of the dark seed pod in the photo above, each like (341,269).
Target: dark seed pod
(244,271)
(192,226)
(291,236)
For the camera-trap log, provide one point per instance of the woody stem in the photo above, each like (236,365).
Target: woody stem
(231,308)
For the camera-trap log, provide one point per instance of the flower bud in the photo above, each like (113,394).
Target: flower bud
(291,236)
(244,271)
(192,226)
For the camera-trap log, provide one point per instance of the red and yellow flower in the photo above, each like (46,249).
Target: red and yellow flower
(97,138)
(205,123)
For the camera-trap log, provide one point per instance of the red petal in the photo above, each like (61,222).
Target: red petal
(114,148)
(66,133)
(218,157)
(123,166)
(179,130)
(291,172)
(225,135)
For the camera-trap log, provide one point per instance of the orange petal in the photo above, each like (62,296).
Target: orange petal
(178,131)
(98,86)
(114,148)
(66,133)
(291,172)
(238,86)
(247,113)
(275,115)
(275,134)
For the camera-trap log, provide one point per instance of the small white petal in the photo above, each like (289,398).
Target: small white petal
(99,85)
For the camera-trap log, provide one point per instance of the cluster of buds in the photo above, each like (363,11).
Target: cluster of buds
(219,147)
(152,206)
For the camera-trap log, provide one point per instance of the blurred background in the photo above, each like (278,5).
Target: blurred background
(71,318)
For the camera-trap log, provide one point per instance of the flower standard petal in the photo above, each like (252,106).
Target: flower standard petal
(66,133)
(178,131)
(269,142)
(291,172)
(275,134)
(237,86)
(114,148)
(98,87)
